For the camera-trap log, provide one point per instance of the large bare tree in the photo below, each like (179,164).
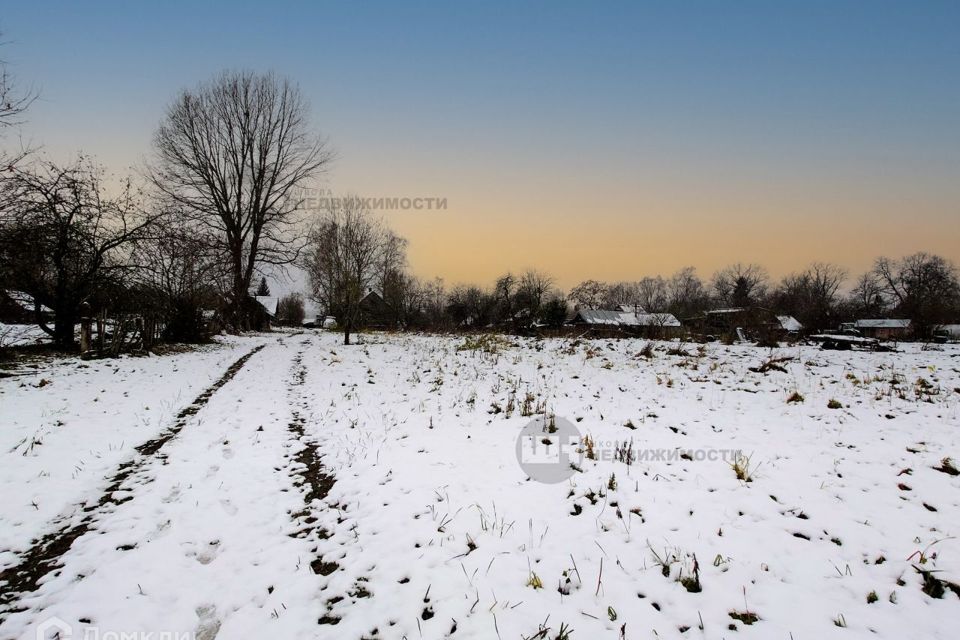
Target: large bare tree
(236,153)
(14,101)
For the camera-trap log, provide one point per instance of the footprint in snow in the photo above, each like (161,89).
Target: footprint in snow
(206,553)
(208,626)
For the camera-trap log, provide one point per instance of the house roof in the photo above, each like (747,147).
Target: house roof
(882,323)
(730,310)
(25,301)
(269,304)
(601,316)
(789,323)
(626,318)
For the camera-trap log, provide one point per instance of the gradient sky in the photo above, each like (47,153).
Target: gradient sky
(590,140)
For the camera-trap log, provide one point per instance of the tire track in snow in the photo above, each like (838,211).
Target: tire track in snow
(313,478)
(44,556)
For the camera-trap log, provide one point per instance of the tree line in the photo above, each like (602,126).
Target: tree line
(353,252)
(151,256)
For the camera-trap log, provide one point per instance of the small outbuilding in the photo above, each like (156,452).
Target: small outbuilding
(883,328)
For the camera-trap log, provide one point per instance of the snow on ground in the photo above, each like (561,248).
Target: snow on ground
(66,424)
(843,522)
(19,335)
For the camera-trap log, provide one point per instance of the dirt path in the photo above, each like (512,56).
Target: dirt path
(313,479)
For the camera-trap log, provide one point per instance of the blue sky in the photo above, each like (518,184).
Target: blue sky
(690,133)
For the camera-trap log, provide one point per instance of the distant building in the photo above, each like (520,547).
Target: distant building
(883,328)
(17,307)
(263,312)
(746,323)
(375,312)
(651,324)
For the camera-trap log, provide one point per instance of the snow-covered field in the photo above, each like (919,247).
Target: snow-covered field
(374,491)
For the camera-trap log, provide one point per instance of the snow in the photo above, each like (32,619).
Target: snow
(789,323)
(19,335)
(431,522)
(269,304)
(882,323)
(67,426)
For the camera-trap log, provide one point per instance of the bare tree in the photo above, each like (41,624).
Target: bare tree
(652,294)
(405,296)
(533,289)
(13,100)
(179,267)
(623,294)
(866,297)
(740,285)
(434,299)
(687,294)
(923,287)
(504,292)
(68,238)
(399,290)
(470,306)
(589,294)
(236,153)
(342,260)
(811,296)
